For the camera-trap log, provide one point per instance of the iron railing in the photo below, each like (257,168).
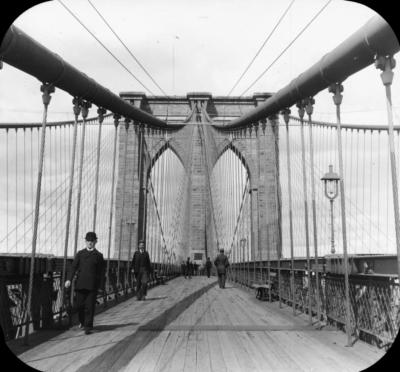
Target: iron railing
(49,310)
(375,298)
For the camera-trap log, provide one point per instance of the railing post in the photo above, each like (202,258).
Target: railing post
(77,102)
(286,114)
(336,89)
(101,111)
(387,64)
(47,89)
(309,109)
(301,110)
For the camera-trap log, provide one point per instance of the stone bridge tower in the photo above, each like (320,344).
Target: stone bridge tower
(198,145)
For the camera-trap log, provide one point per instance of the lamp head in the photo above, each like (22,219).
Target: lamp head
(331,180)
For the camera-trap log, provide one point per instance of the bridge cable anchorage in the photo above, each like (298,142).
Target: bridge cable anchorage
(286,48)
(108,50)
(261,48)
(126,48)
(47,89)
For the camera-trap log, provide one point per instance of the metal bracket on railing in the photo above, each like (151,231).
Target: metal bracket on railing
(101,112)
(47,89)
(386,64)
(86,105)
(300,105)
(286,115)
(77,102)
(116,119)
(336,89)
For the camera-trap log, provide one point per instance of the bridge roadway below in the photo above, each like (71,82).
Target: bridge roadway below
(193,325)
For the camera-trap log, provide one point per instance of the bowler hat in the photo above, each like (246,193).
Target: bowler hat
(91,236)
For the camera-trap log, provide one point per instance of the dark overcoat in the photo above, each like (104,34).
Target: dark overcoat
(222,263)
(89,267)
(140,262)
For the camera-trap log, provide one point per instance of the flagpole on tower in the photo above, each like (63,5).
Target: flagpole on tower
(173,63)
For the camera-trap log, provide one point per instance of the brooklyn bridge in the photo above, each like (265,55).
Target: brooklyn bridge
(305,210)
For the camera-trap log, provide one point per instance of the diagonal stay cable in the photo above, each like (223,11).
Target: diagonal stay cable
(287,47)
(262,47)
(127,49)
(91,33)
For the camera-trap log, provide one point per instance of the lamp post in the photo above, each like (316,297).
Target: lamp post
(331,180)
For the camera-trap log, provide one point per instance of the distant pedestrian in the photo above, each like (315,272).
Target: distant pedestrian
(222,263)
(89,266)
(208,267)
(183,269)
(189,268)
(142,269)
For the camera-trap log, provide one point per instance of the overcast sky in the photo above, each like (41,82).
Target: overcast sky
(189,45)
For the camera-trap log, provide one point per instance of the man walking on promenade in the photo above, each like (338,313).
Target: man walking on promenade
(141,266)
(183,269)
(222,263)
(189,268)
(208,266)
(89,267)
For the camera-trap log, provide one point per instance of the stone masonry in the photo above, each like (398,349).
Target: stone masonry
(198,145)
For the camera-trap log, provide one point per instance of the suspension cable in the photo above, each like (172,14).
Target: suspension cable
(127,49)
(286,48)
(261,48)
(108,50)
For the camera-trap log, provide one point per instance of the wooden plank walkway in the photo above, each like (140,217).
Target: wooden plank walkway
(192,325)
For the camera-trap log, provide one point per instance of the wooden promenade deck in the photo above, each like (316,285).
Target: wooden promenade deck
(192,325)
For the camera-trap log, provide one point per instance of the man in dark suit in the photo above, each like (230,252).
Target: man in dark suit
(183,269)
(89,267)
(141,266)
(189,268)
(208,267)
(222,263)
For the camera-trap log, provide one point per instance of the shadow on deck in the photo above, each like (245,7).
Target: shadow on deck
(191,325)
